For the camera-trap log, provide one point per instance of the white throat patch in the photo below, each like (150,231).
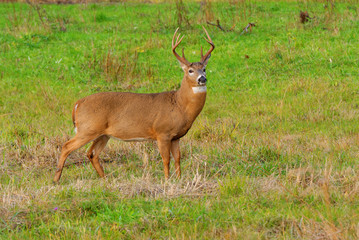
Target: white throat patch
(199,89)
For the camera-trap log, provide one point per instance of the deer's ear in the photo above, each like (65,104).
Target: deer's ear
(183,66)
(206,60)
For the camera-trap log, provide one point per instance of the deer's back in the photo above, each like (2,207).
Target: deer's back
(129,115)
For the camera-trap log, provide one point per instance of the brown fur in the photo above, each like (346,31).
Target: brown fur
(132,115)
(164,117)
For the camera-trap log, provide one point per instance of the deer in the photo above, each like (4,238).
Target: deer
(163,117)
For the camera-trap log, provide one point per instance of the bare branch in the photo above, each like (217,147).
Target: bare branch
(217,25)
(250,25)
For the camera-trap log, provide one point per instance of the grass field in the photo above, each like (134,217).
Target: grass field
(273,155)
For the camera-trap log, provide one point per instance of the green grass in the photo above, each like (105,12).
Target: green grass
(273,155)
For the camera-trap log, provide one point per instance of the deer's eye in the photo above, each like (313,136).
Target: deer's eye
(204,70)
(191,71)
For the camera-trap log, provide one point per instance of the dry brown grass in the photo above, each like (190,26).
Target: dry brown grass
(127,178)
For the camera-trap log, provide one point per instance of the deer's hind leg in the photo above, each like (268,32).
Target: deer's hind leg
(70,146)
(93,153)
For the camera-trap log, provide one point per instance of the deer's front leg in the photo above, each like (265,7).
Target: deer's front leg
(164,146)
(175,150)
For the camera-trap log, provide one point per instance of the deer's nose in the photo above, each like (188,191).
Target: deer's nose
(202,80)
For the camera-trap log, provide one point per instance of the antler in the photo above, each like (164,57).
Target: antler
(174,46)
(209,40)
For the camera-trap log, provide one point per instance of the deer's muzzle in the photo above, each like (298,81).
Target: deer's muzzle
(202,80)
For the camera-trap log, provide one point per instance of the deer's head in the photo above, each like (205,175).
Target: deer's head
(195,72)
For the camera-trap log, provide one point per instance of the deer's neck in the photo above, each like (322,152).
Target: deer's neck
(191,99)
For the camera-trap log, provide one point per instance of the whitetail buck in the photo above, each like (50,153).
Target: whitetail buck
(164,117)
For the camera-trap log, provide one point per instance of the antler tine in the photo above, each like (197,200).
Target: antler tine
(209,40)
(183,53)
(174,36)
(178,38)
(175,45)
